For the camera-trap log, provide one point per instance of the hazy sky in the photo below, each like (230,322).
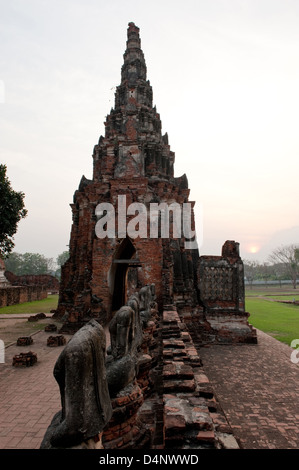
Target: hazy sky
(225,78)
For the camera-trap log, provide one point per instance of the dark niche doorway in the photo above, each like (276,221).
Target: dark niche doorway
(124,259)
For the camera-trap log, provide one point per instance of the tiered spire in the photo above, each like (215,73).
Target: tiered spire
(134,90)
(134,67)
(133,127)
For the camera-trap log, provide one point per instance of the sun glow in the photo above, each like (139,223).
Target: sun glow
(253,249)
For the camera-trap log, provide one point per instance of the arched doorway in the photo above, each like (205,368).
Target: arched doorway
(125,257)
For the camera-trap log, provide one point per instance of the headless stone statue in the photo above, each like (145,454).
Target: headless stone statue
(120,364)
(126,338)
(133,302)
(122,332)
(147,296)
(81,376)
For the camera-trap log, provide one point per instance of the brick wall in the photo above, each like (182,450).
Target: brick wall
(45,280)
(19,294)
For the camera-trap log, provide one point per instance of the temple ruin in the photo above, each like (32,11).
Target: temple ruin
(146,284)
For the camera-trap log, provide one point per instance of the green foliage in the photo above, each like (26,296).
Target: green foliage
(62,258)
(12,210)
(28,263)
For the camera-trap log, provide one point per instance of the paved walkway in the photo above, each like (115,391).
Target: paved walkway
(258,389)
(29,396)
(256,385)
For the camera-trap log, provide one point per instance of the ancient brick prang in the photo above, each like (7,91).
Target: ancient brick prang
(133,160)
(133,164)
(148,290)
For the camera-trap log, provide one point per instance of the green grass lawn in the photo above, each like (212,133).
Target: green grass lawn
(277,319)
(45,306)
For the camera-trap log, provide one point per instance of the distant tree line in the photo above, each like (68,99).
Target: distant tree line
(283,264)
(35,263)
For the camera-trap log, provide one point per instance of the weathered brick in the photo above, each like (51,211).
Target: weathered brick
(205,436)
(179,386)
(174,423)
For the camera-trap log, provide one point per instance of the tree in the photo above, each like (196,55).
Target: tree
(267,272)
(61,259)
(280,272)
(29,263)
(12,210)
(14,263)
(289,256)
(251,271)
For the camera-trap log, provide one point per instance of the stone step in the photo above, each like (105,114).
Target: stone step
(187,418)
(177,371)
(178,386)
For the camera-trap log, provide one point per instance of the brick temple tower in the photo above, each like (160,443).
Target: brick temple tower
(134,160)
(133,166)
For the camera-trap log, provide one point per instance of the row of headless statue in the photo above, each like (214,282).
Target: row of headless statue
(89,375)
